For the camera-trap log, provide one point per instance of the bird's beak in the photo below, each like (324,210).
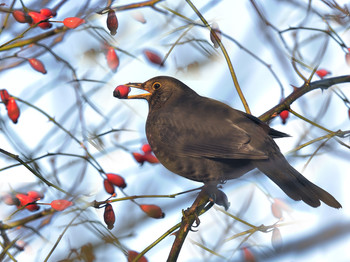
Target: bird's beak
(142,87)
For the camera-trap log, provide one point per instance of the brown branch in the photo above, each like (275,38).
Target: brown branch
(27,219)
(150,3)
(199,206)
(298,92)
(35,39)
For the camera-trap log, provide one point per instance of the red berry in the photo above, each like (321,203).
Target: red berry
(215,30)
(60,204)
(12,110)
(121,91)
(37,65)
(4,96)
(10,200)
(140,158)
(146,148)
(152,211)
(24,200)
(150,158)
(47,12)
(112,59)
(36,195)
(109,187)
(38,18)
(276,211)
(116,180)
(153,57)
(347,57)
(73,22)
(276,238)
(133,254)
(22,17)
(284,115)
(322,73)
(282,205)
(109,216)
(248,256)
(112,22)
(138,16)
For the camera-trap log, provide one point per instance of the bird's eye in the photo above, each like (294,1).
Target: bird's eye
(156,85)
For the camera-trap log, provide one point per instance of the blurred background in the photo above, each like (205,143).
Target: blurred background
(71,131)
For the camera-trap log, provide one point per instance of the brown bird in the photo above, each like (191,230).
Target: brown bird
(207,141)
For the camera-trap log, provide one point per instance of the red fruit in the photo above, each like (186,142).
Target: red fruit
(12,110)
(133,254)
(140,158)
(146,148)
(37,65)
(150,158)
(108,187)
(73,22)
(116,180)
(4,96)
(347,57)
(22,17)
(60,204)
(121,91)
(322,73)
(284,115)
(112,59)
(276,211)
(109,216)
(282,205)
(38,18)
(10,200)
(215,30)
(138,16)
(112,22)
(276,238)
(47,12)
(248,256)
(153,57)
(24,200)
(36,195)
(152,211)
(349,112)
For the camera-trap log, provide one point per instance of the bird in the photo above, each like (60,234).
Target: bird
(205,140)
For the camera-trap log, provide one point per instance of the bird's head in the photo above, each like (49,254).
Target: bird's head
(159,90)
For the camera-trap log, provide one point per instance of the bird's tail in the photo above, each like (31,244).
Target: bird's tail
(294,184)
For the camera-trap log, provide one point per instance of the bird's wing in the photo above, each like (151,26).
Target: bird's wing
(228,141)
(221,139)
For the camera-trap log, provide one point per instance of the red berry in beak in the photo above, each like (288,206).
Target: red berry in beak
(121,91)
